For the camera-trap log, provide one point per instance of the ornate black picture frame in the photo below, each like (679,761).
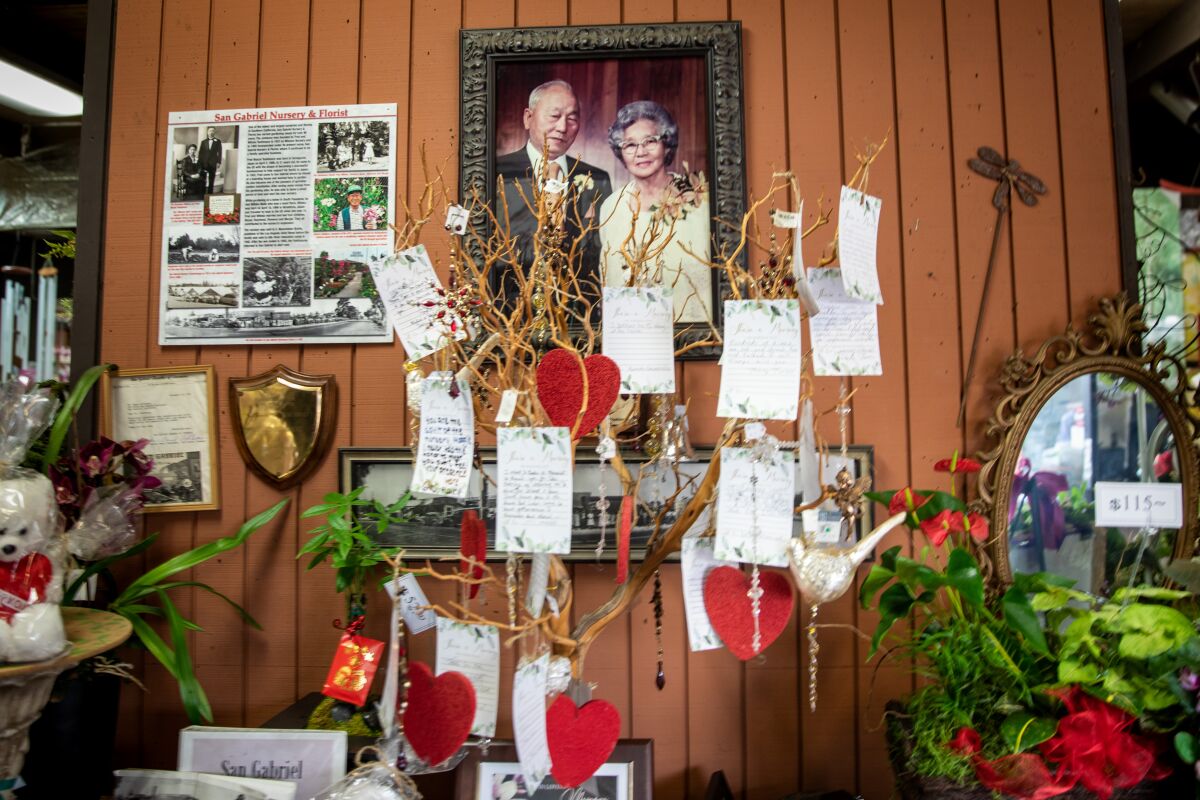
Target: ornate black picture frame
(717,44)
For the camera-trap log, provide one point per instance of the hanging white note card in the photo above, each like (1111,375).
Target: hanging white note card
(473,650)
(760,366)
(845,336)
(755,500)
(858,230)
(639,334)
(529,721)
(406,282)
(446,445)
(533,501)
(698,561)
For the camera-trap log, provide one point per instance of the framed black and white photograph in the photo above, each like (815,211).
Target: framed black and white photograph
(175,409)
(206,161)
(353,146)
(628,774)
(643,124)
(433,529)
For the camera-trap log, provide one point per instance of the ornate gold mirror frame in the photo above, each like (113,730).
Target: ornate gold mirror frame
(1112,343)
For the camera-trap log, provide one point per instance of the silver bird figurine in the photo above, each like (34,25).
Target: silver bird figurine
(823,573)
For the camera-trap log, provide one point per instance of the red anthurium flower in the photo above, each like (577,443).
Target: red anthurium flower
(936,529)
(957,466)
(977,526)
(906,500)
(1024,775)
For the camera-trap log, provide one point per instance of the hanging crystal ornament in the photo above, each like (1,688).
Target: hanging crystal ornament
(654,428)
(510,586)
(813,649)
(606,449)
(755,593)
(660,678)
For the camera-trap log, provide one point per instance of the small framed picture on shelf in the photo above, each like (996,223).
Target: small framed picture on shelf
(628,774)
(175,409)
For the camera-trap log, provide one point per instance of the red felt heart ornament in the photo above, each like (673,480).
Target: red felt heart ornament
(560,389)
(439,714)
(581,739)
(474,545)
(728,606)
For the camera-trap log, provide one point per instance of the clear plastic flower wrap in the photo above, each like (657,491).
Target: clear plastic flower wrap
(106,523)
(31,543)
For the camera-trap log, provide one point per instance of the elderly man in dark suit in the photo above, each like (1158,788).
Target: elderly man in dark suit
(552,121)
(210,158)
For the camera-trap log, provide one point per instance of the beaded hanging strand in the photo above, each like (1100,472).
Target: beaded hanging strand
(660,678)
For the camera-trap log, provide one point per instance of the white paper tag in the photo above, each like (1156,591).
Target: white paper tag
(446,445)
(858,231)
(760,373)
(845,337)
(473,650)
(533,499)
(553,603)
(413,603)
(456,220)
(529,721)
(1139,505)
(638,334)
(508,405)
(698,561)
(406,282)
(539,574)
(787,219)
(741,504)
(754,431)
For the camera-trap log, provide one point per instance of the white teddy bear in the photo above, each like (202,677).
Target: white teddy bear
(31,626)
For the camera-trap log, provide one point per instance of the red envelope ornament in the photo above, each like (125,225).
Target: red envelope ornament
(440,712)
(727,602)
(353,669)
(560,389)
(624,532)
(580,739)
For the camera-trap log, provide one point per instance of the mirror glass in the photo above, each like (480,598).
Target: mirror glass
(1098,427)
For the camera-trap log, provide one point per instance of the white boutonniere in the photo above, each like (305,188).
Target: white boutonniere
(583,182)
(554,186)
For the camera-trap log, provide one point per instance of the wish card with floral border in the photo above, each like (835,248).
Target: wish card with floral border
(760,366)
(755,498)
(639,334)
(533,500)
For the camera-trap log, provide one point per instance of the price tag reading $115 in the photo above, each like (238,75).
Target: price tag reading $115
(1139,505)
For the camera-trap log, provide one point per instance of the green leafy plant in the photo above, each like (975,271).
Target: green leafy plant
(344,539)
(63,249)
(148,598)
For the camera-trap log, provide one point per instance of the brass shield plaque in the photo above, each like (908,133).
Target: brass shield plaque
(283,422)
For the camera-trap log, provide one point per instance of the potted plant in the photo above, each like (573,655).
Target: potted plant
(99,489)
(1039,691)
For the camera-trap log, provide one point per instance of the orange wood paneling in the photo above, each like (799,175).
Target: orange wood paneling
(822,78)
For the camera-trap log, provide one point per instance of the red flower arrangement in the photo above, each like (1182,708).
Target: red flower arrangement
(1093,746)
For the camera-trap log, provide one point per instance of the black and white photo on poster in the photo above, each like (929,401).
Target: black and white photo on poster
(276,281)
(205,159)
(353,146)
(203,290)
(181,476)
(203,244)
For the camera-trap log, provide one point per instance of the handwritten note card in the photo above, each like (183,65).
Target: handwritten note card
(846,334)
(406,281)
(745,505)
(533,501)
(529,721)
(473,650)
(760,368)
(414,605)
(698,561)
(446,445)
(639,334)
(858,230)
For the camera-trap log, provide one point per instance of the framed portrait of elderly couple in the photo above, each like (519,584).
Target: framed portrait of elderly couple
(641,125)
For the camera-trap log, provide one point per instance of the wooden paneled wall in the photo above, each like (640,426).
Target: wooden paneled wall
(822,78)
